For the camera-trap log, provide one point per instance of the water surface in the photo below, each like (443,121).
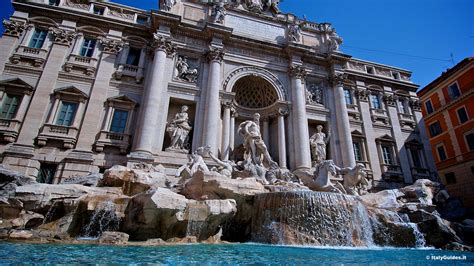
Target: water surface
(232,254)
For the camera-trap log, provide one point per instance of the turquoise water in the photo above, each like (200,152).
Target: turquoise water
(231,254)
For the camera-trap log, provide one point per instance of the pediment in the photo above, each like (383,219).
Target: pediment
(16,83)
(123,99)
(71,90)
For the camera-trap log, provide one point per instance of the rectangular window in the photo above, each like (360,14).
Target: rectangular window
(357,151)
(141,20)
(66,114)
(453,91)
(46,173)
(435,129)
(429,107)
(119,121)
(415,156)
(462,114)
(54,2)
(387,154)
(441,153)
(87,49)
(348,97)
(470,141)
(98,10)
(374,99)
(450,178)
(10,106)
(133,57)
(38,38)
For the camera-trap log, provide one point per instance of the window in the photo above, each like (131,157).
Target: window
(357,151)
(10,106)
(370,70)
(462,114)
(402,107)
(133,57)
(470,141)
(348,97)
(54,2)
(119,121)
(453,91)
(441,153)
(415,156)
(66,114)
(38,38)
(429,107)
(141,20)
(87,49)
(375,101)
(450,178)
(396,75)
(435,129)
(46,173)
(98,10)
(387,154)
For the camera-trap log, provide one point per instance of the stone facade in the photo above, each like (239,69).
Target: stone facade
(97,84)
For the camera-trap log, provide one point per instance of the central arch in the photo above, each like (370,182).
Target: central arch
(254,92)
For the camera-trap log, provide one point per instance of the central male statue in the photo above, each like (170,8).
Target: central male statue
(255,148)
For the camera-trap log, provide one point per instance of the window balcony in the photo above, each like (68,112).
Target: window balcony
(406,120)
(9,129)
(420,173)
(392,172)
(130,71)
(86,64)
(35,56)
(114,139)
(66,134)
(379,115)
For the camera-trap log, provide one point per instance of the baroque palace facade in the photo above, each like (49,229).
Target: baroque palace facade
(87,85)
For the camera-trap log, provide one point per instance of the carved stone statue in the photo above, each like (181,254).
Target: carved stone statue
(255,148)
(219,13)
(318,144)
(195,163)
(166,5)
(225,167)
(314,95)
(254,5)
(294,32)
(334,41)
(322,177)
(272,6)
(355,180)
(184,71)
(178,130)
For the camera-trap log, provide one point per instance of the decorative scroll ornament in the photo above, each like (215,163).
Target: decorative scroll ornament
(363,94)
(216,54)
(63,37)
(163,43)
(415,104)
(283,111)
(298,72)
(111,46)
(13,28)
(337,79)
(390,99)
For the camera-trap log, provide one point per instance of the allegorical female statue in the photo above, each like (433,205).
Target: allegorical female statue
(318,144)
(178,129)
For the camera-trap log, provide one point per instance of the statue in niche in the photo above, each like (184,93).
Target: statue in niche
(219,12)
(318,144)
(178,130)
(184,71)
(166,5)
(255,149)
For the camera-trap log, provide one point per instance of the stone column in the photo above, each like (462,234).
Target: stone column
(232,130)
(302,152)
(78,116)
(108,117)
(98,95)
(20,114)
(281,137)
(37,112)
(266,130)
(124,54)
(154,91)
(211,113)
(77,45)
(27,36)
(225,149)
(10,40)
(343,126)
(54,110)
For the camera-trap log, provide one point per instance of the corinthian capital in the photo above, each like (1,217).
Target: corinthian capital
(337,79)
(297,71)
(163,43)
(216,54)
(63,37)
(13,28)
(111,46)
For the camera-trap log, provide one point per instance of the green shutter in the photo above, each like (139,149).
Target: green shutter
(38,38)
(10,106)
(119,121)
(66,114)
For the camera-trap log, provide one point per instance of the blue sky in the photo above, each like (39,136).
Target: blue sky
(418,35)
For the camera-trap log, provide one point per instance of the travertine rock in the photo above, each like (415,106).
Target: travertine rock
(88,180)
(115,238)
(10,180)
(386,199)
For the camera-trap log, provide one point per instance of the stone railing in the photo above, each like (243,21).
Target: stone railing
(379,115)
(420,173)
(407,120)
(86,64)
(9,129)
(113,139)
(68,135)
(136,72)
(377,70)
(24,53)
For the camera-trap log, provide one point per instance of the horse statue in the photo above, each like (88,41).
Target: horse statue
(322,177)
(355,180)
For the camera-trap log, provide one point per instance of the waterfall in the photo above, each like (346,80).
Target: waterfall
(311,218)
(196,215)
(420,238)
(103,219)
(48,217)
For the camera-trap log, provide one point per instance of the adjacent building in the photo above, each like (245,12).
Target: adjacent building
(85,86)
(448,109)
